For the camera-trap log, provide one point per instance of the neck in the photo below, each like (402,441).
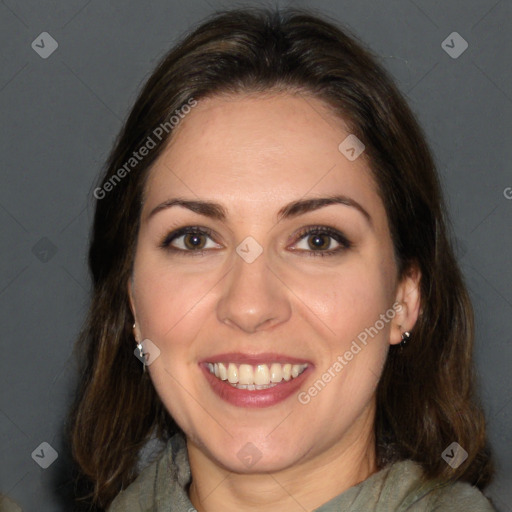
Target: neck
(302,487)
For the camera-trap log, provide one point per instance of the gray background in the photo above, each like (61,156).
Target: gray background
(60,116)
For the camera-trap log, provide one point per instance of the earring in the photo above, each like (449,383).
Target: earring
(141,353)
(142,357)
(406,336)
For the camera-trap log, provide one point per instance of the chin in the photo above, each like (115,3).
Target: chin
(254,452)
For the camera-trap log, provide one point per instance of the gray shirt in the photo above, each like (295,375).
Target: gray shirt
(161,487)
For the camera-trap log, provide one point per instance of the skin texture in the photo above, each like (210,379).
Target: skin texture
(254,154)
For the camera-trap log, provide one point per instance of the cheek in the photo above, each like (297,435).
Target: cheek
(171,309)
(345,301)
(167,300)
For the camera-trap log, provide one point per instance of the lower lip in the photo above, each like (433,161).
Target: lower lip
(258,397)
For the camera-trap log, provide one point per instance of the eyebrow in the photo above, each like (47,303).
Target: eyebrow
(293,209)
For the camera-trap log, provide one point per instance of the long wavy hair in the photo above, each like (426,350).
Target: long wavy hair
(426,395)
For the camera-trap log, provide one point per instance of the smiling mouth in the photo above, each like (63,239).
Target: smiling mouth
(255,377)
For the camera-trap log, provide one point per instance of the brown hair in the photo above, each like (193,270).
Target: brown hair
(425,398)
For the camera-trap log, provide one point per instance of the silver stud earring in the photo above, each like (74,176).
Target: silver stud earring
(142,357)
(406,336)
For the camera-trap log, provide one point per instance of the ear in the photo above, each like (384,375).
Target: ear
(407,304)
(136,330)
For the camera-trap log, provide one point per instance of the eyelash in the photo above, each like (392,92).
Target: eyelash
(309,231)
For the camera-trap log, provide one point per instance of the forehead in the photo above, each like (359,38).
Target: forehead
(259,150)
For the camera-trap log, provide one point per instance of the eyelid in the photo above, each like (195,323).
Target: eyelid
(185,230)
(339,237)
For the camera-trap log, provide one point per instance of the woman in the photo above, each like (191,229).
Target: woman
(276,378)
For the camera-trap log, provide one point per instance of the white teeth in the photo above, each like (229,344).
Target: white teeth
(232,373)
(252,387)
(246,376)
(276,373)
(262,375)
(223,372)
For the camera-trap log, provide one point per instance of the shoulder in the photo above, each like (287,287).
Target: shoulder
(139,495)
(461,496)
(155,480)
(420,495)
(161,484)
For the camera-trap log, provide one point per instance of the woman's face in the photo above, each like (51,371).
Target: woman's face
(276,271)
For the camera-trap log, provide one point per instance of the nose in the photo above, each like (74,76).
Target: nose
(253,298)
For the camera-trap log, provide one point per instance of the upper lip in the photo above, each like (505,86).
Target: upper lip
(254,359)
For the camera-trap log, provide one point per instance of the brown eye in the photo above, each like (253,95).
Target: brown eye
(189,240)
(319,241)
(194,241)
